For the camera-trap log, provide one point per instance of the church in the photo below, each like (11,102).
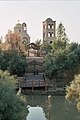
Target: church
(21,29)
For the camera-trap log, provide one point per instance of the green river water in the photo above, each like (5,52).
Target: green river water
(60,109)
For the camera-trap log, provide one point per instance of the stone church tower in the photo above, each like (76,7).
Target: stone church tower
(22,30)
(49,28)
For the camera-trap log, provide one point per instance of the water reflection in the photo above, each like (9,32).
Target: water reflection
(60,108)
(36,113)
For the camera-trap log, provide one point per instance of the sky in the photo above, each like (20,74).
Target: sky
(33,13)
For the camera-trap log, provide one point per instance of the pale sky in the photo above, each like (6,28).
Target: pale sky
(35,12)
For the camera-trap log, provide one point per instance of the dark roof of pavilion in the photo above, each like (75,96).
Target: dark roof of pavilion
(34,46)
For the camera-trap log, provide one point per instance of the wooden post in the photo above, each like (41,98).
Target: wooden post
(34,66)
(39,83)
(32,86)
(26,83)
(49,107)
(45,85)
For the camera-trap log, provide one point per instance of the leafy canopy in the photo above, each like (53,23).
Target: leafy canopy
(14,62)
(73,91)
(12,107)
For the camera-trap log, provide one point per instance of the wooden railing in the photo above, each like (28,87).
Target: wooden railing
(32,84)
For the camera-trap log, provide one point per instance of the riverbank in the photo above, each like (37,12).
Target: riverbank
(43,92)
(37,85)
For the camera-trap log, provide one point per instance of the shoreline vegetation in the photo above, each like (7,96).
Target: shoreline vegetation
(38,92)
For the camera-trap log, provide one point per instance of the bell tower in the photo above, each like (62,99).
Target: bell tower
(49,28)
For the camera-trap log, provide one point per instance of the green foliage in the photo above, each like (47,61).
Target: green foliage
(14,62)
(46,47)
(12,107)
(64,60)
(63,65)
(38,42)
(73,91)
(61,40)
(49,62)
(72,46)
(55,64)
(4,59)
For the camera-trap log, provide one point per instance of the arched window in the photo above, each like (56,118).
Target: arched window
(48,26)
(49,34)
(19,30)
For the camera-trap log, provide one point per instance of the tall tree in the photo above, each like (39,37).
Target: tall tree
(46,47)
(61,40)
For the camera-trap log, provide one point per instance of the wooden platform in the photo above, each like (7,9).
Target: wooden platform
(31,81)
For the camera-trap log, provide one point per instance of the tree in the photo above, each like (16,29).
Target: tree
(49,63)
(63,65)
(14,62)
(38,42)
(12,107)
(4,60)
(72,46)
(61,40)
(13,40)
(73,91)
(17,64)
(55,64)
(46,47)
